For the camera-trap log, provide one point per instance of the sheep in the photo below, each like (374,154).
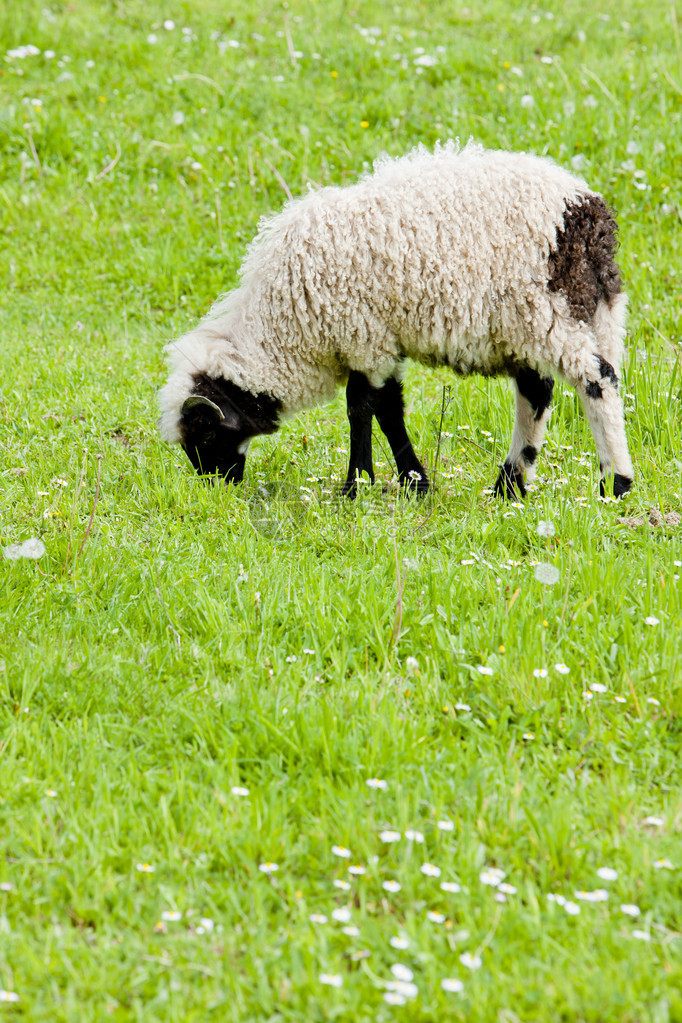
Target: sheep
(481,260)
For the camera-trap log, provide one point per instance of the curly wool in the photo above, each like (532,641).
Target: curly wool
(440,257)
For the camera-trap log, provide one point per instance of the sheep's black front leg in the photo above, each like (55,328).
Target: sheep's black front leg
(390,413)
(360,404)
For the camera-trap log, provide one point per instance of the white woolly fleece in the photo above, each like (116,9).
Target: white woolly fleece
(441,257)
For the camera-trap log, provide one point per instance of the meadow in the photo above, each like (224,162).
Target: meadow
(266,755)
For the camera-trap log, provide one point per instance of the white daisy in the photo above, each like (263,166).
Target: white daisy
(399,942)
(391,886)
(268,868)
(340,850)
(445,825)
(357,869)
(654,822)
(563,669)
(414,836)
(239,790)
(331,979)
(341,915)
(607,874)
(430,870)
(641,935)
(389,836)
(492,876)
(317,918)
(377,783)
(472,962)
(451,886)
(434,916)
(452,984)
(343,885)
(401,972)
(598,895)
(630,910)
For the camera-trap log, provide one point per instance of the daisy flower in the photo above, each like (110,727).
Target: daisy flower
(472,962)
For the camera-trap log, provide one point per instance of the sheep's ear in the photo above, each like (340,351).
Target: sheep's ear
(196,400)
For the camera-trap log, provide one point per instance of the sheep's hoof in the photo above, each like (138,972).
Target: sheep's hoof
(621,485)
(349,490)
(414,482)
(508,482)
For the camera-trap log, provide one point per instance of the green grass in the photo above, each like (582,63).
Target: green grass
(154,657)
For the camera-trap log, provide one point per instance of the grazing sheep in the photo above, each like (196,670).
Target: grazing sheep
(483,261)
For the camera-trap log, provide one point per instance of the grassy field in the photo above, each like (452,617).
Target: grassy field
(198,684)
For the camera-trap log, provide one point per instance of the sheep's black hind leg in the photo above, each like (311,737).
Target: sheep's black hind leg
(360,403)
(533,399)
(390,413)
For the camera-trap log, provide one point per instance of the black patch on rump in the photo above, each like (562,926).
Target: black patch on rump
(212,436)
(582,265)
(529,454)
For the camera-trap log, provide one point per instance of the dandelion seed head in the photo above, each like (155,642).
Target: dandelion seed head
(546,529)
(33,548)
(546,573)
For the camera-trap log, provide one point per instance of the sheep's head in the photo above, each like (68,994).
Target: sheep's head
(218,420)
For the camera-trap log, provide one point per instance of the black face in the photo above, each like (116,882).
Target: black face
(218,420)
